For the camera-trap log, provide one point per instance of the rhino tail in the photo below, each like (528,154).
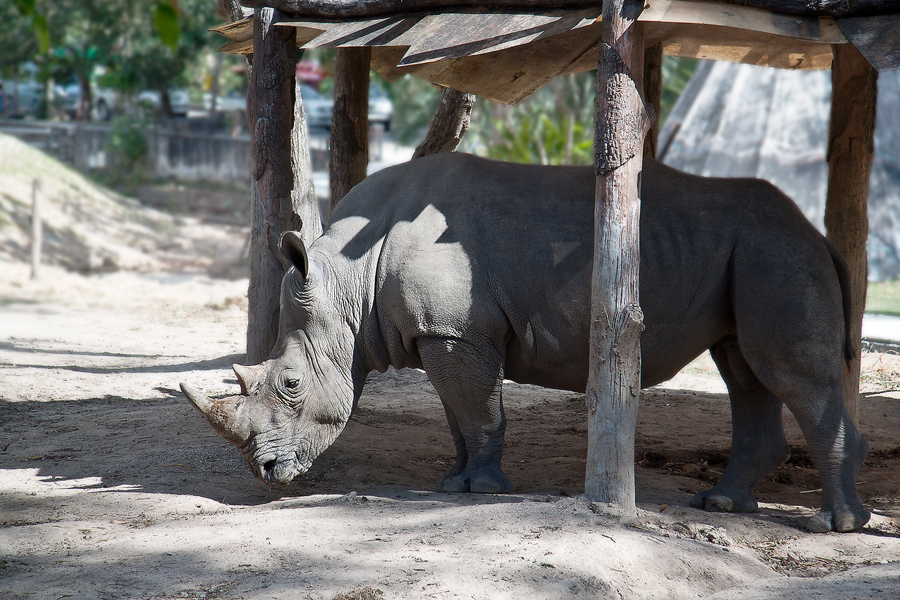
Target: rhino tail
(843,274)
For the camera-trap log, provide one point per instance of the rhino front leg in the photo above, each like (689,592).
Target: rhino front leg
(469,379)
(758,444)
(462,455)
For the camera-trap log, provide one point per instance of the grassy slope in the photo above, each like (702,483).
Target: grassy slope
(86,226)
(884,298)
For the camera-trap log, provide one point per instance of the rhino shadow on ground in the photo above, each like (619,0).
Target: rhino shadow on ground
(396,441)
(200,365)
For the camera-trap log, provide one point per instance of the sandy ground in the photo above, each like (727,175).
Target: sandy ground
(113,486)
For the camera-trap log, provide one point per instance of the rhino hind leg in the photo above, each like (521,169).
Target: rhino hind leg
(838,451)
(469,379)
(790,325)
(758,444)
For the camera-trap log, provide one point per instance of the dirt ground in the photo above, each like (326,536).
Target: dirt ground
(113,486)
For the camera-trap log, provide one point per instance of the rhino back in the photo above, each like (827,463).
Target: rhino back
(499,253)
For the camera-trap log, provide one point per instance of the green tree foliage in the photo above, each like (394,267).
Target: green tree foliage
(415,101)
(553,126)
(18,43)
(677,72)
(38,22)
(146,60)
(140,45)
(556,124)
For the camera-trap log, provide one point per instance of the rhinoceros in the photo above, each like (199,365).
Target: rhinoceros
(476,270)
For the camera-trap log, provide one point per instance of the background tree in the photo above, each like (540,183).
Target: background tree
(146,58)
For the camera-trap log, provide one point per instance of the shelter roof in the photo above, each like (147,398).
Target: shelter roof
(507,49)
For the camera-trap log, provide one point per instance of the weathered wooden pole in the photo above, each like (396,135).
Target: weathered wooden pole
(350,121)
(37,228)
(614,380)
(450,123)
(270,112)
(851,146)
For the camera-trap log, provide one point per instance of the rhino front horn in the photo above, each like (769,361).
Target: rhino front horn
(221,415)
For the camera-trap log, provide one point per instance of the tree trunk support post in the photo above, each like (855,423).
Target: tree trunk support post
(851,147)
(614,380)
(271,118)
(350,121)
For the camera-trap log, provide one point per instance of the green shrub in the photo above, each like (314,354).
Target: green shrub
(126,146)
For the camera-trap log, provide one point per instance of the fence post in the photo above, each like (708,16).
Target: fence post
(36,229)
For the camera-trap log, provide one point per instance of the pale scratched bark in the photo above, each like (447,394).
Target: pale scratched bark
(304,216)
(613,387)
(450,123)
(653,87)
(851,147)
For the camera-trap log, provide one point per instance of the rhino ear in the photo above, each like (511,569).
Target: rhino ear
(294,250)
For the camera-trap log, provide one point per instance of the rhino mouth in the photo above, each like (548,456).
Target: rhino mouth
(276,470)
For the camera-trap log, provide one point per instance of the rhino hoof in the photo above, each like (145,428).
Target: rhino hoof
(819,523)
(484,482)
(491,484)
(724,503)
(454,485)
(826,521)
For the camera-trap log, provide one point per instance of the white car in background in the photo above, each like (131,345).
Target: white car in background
(179,101)
(381,109)
(22,96)
(107,102)
(318,107)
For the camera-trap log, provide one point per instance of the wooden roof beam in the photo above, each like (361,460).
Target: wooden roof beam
(822,8)
(360,9)
(355,9)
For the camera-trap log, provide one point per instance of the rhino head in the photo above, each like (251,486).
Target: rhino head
(295,404)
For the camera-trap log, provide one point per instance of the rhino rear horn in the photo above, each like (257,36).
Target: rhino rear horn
(294,251)
(249,377)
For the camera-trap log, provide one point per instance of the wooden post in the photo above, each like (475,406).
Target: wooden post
(450,123)
(350,121)
(37,229)
(270,107)
(614,380)
(653,88)
(850,149)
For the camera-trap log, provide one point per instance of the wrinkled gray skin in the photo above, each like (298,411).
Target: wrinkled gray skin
(476,270)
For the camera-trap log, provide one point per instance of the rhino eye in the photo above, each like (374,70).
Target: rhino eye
(292,384)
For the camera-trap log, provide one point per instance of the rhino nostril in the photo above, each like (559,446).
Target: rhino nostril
(269,466)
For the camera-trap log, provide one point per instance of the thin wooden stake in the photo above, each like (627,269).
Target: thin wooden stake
(37,229)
